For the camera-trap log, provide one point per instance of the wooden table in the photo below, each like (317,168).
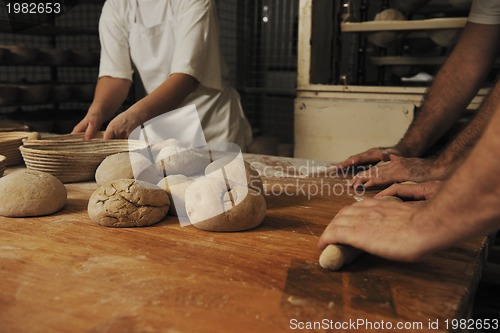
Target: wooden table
(61,273)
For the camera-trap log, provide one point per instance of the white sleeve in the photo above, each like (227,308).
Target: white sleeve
(485,12)
(197,50)
(113,34)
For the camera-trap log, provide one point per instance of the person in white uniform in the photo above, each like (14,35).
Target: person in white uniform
(173,46)
(456,83)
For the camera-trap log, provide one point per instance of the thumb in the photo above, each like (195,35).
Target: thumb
(393,157)
(91,131)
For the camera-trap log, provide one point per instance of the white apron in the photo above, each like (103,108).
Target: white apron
(151,51)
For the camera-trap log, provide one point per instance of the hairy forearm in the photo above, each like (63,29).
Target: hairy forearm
(467,205)
(167,97)
(467,138)
(455,85)
(110,93)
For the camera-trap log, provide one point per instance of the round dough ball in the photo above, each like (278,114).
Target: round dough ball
(211,207)
(178,160)
(386,38)
(26,193)
(157,147)
(175,186)
(120,166)
(128,203)
(236,172)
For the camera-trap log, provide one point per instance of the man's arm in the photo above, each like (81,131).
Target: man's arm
(110,93)
(422,170)
(167,97)
(465,207)
(467,138)
(453,88)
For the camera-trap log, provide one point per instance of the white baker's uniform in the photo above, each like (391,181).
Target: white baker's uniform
(485,12)
(159,37)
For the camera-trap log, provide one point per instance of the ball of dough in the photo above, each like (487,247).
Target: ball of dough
(120,166)
(386,38)
(178,160)
(175,186)
(157,147)
(128,203)
(211,207)
(237,171)
(26,193)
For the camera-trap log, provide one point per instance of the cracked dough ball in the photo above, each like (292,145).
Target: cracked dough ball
(119,166)
(128,203)
(26,193)
(211,207)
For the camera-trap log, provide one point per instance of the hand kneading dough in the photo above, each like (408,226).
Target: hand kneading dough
(128,203)
(175,186)
(31,193)
(182,161)
(335,256)
(119,166)
(209,206)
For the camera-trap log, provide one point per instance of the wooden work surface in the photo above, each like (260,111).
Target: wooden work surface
(61,273)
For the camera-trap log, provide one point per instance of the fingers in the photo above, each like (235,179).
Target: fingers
(336,235)
(109,134)
(403,191)
(91,131)
(345,220)
(353,160)
(80,127)
(370,156)
(394,158)
(372,177)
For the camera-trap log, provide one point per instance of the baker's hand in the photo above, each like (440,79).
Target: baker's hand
(90,125)
(400,169)
(383,228)
(373,155)
(421,191)
(122,125)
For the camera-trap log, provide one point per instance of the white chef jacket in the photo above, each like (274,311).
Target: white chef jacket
(159,37)
(485,12)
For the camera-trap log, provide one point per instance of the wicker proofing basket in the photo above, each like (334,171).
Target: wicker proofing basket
(3,164)
(70,158)
(10,142)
